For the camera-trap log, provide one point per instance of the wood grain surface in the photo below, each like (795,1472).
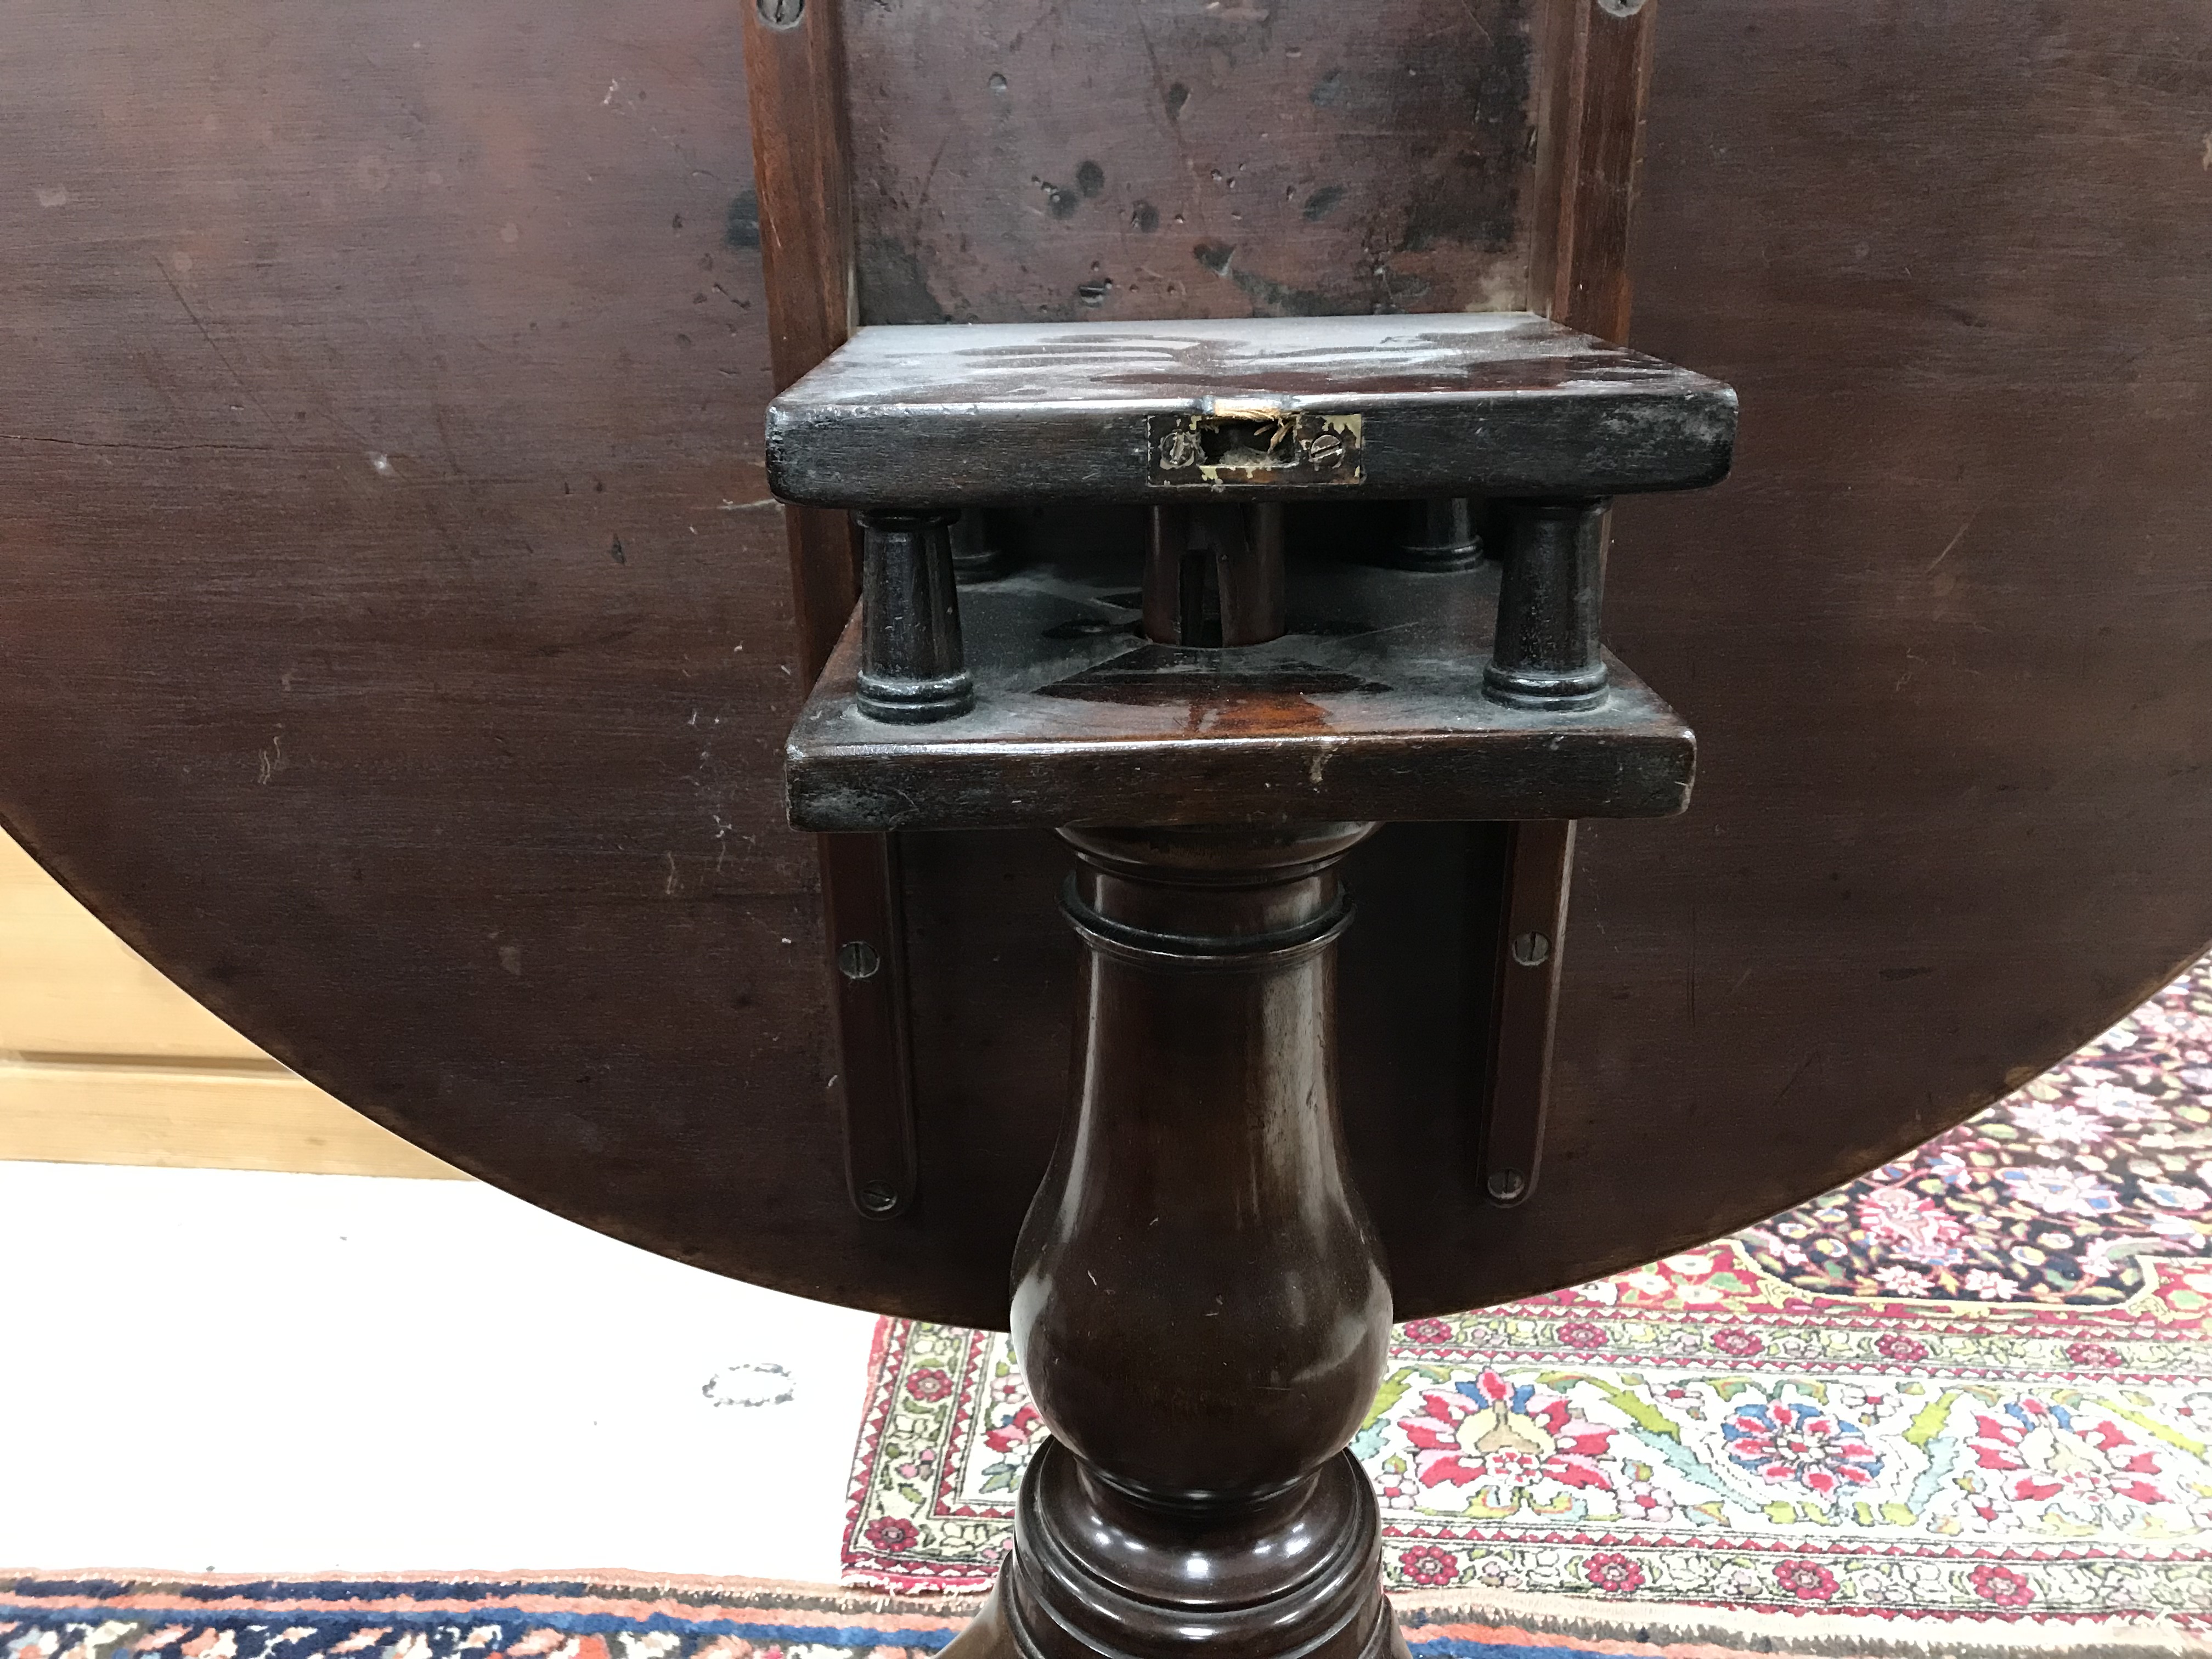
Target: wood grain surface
(396,639)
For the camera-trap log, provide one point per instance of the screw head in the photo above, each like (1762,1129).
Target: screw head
(1507,1186)
(1531,950)
(1620,8)
(857,959)
(877,1198)
(786,14)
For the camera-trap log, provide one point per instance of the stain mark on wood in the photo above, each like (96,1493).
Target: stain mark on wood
(741,225)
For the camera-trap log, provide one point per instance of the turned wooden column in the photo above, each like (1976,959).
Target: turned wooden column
(1200,1305)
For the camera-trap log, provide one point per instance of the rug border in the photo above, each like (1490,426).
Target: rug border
(1453,1625)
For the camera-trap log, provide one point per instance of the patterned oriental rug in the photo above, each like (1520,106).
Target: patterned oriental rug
(1973,1389)
(626,1616)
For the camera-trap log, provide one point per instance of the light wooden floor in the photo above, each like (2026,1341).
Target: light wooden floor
(102,1061)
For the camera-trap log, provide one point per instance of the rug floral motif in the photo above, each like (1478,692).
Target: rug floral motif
(1974,1384)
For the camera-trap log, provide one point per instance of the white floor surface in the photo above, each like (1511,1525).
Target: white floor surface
(222,1371)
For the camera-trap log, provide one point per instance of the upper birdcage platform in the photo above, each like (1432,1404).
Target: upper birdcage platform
(1494,404)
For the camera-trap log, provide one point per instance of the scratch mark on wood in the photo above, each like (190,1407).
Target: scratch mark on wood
(1952,546)
(156,449)
(229,368)
(1469,9)
(930,177)
(1802,1066)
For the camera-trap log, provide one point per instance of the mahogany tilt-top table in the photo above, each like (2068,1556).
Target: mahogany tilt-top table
(1144,921)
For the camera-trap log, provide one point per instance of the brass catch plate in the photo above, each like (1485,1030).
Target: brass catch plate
(1229,446)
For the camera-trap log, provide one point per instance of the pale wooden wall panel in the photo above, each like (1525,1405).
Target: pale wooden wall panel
(184,1119)
(70,986)
(103,1061)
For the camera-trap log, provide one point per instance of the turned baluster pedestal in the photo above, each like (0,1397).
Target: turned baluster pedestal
(1199,1303)
(1252,617)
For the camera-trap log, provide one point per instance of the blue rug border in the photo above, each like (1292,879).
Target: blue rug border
(93,1601)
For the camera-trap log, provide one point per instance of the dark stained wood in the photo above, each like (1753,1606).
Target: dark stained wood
(873,1080)
(1632,1005)
(1591,104)
(1171,598)
(397,643)
(1399,407)
(803,216)
(1250,581)
(1550,595)
(1530,935)
(1509,1092)
(911,664)
(1277,157)
(1379,702)
(1443,532)
(825,567)
(1373,700)
(1920,869)
(500,891)
(799,217)
(1591,120)
(1200,1299)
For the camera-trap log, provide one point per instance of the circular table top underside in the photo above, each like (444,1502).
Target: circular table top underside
(395,641)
